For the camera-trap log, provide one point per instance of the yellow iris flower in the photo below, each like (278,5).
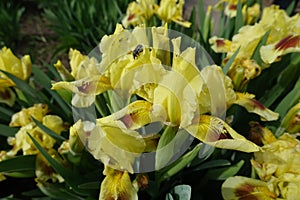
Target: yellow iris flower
(250,14)
(23,117)
(138,12)
(117,185)
(21,141)
(284,37)
(171,10)
(284,34)
(20,68)
(11,64)
(277,166)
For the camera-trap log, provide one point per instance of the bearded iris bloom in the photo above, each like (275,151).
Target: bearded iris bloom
(117,185)
(20,68)
(21,140)
(172,11)
(277,167)
(139,12)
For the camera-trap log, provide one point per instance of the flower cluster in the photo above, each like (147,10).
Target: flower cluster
(142,11)
(277,167)
(282,34)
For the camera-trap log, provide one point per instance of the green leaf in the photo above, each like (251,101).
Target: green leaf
(72,179)
(6,111)
(8,131)
(25,88)
(230,61)
(165,147)
(239,21)
(289,100)
(58,191)
(212,164)
(224,172)
(256,54)
(43,80)
(285,80)
(21,174)
(90,185)
(179,164)
(18,164)
(48,131)
(201,12)
(229,28)
(290,9)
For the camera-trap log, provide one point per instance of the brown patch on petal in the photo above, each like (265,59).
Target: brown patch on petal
(85,88)
(256,134)
(5,94)
(220,42)
(258,104)
(130,17)
(232,7)
(244,192)
(288,42)
(88,133)
(127,120)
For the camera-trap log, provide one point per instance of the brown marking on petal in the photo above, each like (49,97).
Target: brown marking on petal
(220,42)
(130,17)
(232,7)
(127,120)
(256,133)
(225,135)
(288,42)
(244,192)
(258,104)
(85,87)
(5,94)
(88,133)
(143,181)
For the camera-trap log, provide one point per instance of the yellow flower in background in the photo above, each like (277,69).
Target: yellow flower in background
(44,172)
(84,89)
(278,158)
(273,52)
(277,166)
(251,105)
(82,66)
(220,45)
(239,187)
(260,135)
(117,185)
(247,39)
(7,96)
(171,10)
(284,34)
(283,38)
(252,14)
(11,64)
(21,141)
(23,117)
(138,12)
(242,71)
(291,121)
(3,156)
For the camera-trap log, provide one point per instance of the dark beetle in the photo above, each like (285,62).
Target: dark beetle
(136,52)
